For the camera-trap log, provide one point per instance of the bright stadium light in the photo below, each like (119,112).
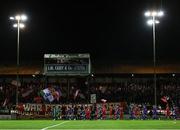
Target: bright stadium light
(21,25)
(154,13)
(11,18)
(18,17)
(15,25)
(157,22)
(18,24)
(153,21)
(160,13)
(23,17)
(147,14)
(150,22)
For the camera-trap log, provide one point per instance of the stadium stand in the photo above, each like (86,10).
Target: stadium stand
(113,83)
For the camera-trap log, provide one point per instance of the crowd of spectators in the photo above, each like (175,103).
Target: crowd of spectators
(138,91)
(130,91)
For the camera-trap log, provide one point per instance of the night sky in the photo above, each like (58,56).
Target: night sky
(111,31)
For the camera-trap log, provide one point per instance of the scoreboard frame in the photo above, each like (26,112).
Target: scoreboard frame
(67,64)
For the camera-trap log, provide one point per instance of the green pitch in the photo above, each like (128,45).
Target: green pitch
(90,125)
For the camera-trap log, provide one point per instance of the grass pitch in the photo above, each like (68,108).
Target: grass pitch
(90,125)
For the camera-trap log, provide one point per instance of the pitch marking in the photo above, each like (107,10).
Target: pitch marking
(55,125)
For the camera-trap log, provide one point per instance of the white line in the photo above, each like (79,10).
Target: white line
(54,125)
(95,129)
(115,129)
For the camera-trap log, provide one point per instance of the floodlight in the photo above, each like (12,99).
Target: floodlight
(18,24)
(153,21)
(21,25)
(160,13)
(17,17)
(154,13)
(11,18)
(150,22)
(147,14)
(23,17)
(15,25)
(156,21)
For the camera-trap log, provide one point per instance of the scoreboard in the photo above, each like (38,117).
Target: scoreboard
(67,64)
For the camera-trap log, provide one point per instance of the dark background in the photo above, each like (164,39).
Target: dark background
(112,32)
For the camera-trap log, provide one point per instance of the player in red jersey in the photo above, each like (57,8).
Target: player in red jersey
(167,111)
(121,112)
(88,113)
(111,112)
(104,112)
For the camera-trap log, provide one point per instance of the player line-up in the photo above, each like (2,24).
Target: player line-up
(100,111)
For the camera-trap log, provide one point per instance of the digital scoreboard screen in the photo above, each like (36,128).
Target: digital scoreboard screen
(67,64)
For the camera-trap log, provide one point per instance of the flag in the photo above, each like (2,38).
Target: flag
(56,95)
(47,95)
(76,93)
(165,99)
(15,83)
(103,100)
(5,102)
(27,93)
(51,93)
